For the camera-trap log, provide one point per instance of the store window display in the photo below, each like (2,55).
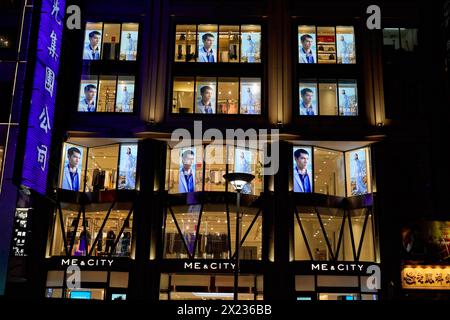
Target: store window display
(329,172)
(110,41)
(358,172)
(125,94)
(210,43)
(221,95)
(98,168)
(94,233)
(334,98)
(88,94)
(326,44)
(210,234)
(129,41)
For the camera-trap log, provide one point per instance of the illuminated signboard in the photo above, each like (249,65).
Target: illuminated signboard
(43,96)
(426,277)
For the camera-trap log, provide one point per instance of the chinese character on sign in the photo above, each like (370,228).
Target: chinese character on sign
(438,278)
(429,278)
(52,49)
(410,278)
(44,121)
(49,80)
(42,155)
(419,278)
(55,11)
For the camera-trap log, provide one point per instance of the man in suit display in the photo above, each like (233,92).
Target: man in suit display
(206,53)
(71,176)
(302,178)
(187,178)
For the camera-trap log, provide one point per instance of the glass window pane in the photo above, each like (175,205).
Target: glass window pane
(186,170)
(228,96)
(129,41)
(229,43)
(72,168)
(314,236)
(332,219)
(215,160)
(346,246)
(250,96)
(246,161)
(185,43)
(252,247)
(307,44)
(187,219)
(127,167)
(88,94)
(348,98)
(409,39)
(251,43)
(213,242)
(106,93)
(303,169)
(70,212)
(367,249)
(111,41)
(358,172)
(183,95)
(125,94)
(92,41)
(326,45)
(346,53)
(207,43)
(205,95)
(328,98)
(108,241)
(102,168)
(300,248)
(329,172)
(308,98)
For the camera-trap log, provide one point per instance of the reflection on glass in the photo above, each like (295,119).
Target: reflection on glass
(358,172)
(88,94)
(303,169)
(329,176)
(409,39)
(250,43)
(111,41)
(243,160)
(129,41)
(207,43)
(229,44)
(92,41)
(228,96)
(125,94)
(328,98)
(307,44)
(102,168)
(326,45)
(206,95)
(391,39)
(348,98)
(106,93)
(345,45)
(250,96)
(183,95)
(308,98)
(72,170)
(127,166)
(185,43)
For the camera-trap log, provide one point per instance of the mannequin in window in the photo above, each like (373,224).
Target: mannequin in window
(125,244)
(85,241)
(110,239)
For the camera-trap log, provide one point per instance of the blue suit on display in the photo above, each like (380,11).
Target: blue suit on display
(302,183)
(186,182)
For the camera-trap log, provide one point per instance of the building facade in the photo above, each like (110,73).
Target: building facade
(331,110)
